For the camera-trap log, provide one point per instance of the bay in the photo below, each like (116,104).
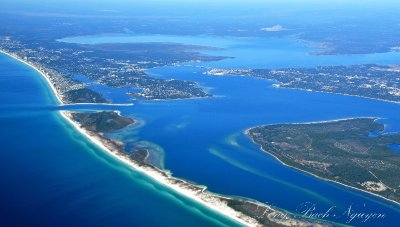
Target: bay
(201,140)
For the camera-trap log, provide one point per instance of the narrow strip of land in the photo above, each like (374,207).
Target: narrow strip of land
(92,126)
(367,81)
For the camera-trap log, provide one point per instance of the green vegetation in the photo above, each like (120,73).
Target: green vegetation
(85,95)
(104,121)
(140,156)
(339,150)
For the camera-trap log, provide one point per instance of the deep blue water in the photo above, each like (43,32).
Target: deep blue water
(201,140)
(395,147)
(52,176)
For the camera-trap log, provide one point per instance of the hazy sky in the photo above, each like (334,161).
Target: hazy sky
(49,4)
(190,8)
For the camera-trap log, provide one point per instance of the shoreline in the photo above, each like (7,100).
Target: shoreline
(160,178)
(198,193)
(277,85)
(216,202)
(312,122)
(53,88)
(246,132)
(44,76)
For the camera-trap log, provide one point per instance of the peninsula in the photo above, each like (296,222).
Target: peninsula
(73,68)
(367,81)
(343,151)
(92,126)
(247,212)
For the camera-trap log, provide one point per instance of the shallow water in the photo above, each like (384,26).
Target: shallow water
(53,176)
(201,140)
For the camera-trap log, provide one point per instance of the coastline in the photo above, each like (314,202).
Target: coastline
(217,203)
(163,179)
(312,122)
(44,76)
(276,84)
(246,132)
(53,88)
(198,193)
(158,177)
(207,200)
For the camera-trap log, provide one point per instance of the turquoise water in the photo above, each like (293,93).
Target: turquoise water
(201,140)
(52,176)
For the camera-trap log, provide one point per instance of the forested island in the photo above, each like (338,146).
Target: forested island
(343,151)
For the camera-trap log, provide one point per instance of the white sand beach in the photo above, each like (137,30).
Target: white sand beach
(212,201)
(207,199)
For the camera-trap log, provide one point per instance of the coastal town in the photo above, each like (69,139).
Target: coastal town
(66,64)
(368,81)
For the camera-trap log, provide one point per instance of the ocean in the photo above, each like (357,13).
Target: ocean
(53,176)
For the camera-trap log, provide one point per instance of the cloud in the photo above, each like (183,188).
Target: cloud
(395,49)
(275,28)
